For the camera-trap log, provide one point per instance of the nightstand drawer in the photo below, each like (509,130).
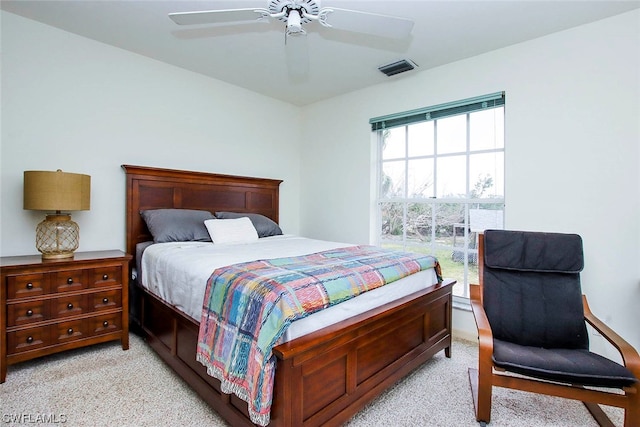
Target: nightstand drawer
(26,285)
(27,339)
(105,276)
(105,324)
(68,306)
(26,312)
(105,300)
(69,331)
(65,281)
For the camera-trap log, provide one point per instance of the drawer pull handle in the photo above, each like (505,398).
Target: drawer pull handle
(69,280)
(105,276)
(70,331)
(69,306)
(29,339)
(29,285)
(105,323)
(29,313)
(105,300)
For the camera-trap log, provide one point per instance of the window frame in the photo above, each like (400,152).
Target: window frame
(467,203)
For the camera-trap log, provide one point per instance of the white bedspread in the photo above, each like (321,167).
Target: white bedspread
(177,272)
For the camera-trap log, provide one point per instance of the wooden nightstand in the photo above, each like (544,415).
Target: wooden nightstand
(51,306)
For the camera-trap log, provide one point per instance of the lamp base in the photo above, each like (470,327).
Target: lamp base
(57,237)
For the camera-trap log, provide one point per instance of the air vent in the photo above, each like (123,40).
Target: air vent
(398,67)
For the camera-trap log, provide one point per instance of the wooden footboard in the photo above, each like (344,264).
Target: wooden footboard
(323,378)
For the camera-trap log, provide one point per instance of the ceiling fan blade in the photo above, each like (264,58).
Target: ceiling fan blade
(217,16)
(297,53)
(369,23)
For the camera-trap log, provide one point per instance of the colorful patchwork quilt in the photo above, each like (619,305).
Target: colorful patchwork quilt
(247,308)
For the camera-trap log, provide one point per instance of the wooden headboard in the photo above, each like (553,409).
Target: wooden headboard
(155,188)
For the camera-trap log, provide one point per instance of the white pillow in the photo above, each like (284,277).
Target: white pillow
(237,230)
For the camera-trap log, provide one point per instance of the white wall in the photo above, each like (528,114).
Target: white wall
(74,104)
(572,151)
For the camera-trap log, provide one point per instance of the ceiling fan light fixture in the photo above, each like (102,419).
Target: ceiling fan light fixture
(294,22)
(397,67)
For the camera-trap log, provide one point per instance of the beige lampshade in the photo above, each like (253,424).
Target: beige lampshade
(56,191)
(57,237)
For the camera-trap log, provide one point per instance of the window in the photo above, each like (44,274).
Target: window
(441,181)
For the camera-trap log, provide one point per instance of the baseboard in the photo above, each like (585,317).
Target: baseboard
(460,334)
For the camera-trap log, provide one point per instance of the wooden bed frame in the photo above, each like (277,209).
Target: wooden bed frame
(323,378)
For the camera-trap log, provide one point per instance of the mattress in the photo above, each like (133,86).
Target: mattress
(177,272)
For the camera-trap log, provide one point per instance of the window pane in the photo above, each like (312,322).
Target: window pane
(451,238)
(485,216)
(420,139)
(451,177)
(486,175)
(392,179)
(482,216)
(447,216)
(472,275)
(486,129)
(420,178)
(419,223)
(393,143)
(452,134)
(392,221)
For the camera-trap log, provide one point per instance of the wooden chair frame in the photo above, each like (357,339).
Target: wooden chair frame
(488,375)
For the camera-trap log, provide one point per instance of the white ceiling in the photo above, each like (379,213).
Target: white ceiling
(252,55)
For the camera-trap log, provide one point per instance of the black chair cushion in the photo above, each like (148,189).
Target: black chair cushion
(530,298)
(561,365)
(536,309)
(533,251)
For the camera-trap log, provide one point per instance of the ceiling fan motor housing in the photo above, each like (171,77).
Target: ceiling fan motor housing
(311,7)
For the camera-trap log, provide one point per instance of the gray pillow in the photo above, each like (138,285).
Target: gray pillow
(264,226)
(177,225)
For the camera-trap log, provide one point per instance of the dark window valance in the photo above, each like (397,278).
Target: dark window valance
(438,111)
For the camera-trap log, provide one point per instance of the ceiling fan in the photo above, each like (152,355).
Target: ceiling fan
(295,14)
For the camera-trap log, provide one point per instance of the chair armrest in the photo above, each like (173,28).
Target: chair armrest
(485,335)
(629,354)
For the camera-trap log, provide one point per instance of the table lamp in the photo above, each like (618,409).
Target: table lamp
(57,237)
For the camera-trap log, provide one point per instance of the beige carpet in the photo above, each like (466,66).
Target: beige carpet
(105,386)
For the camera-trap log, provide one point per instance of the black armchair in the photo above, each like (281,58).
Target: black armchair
(531,317)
